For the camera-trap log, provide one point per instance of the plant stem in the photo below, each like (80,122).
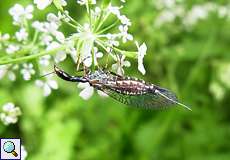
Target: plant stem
(30,57)
(102,22)
(109,27)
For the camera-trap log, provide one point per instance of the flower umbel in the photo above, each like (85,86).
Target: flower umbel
(95,42)
(10,113)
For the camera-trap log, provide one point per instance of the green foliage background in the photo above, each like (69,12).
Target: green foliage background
(63,126)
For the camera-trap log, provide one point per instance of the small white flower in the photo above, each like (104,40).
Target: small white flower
(141,53)
(124,34)
(45,60)
(10,113)
(46,39)
(11,76)
(52,18)
(86,51)
(60,55)
(27,71)
(7,70)
(88,60)
(114,10)
(22,35)
(73,53)
(63,2)
(23,153)
(4,37)
(118,67)
(39,26)
(12,48)
(47,86)
(59,36)
(112,40)
(87,91)
(42,4)
(84,2)
(124,20)
(20,14)
(50,28)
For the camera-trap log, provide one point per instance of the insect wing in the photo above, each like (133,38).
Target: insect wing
(149,100)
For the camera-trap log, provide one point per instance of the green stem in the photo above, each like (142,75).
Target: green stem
(24,50)
(35,37)
(130,54)
(70,24)
(89,14)
(73,20)
(30,57)
(102,22)
(98,20)
(109,27)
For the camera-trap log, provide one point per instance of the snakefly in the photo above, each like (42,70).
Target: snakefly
(127,90)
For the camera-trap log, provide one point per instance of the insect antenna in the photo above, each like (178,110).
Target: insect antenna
(46,74)
(170,99)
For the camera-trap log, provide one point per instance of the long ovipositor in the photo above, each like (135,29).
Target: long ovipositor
(127,90)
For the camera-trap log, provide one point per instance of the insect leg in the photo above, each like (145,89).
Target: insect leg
(65,76)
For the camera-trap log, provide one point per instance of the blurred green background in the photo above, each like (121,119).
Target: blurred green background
(192,61)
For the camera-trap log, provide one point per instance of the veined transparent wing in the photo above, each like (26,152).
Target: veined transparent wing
(149,100)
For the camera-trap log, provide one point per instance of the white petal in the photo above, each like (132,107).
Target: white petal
(29,8)
(115,67)
(39,83)
(8,107)
(60,56)
(83,85)
(86,93)
(46,90)
(127,64)
(11,76)
(60,36)
(53,84)
(88,61)
(141,68)
(53,45)
(99,54)
(42,4)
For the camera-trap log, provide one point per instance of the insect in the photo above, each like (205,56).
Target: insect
(127,90)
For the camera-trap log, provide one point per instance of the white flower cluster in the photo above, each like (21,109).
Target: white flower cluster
(91,40)
(10,113)
(171,9)
(21,14)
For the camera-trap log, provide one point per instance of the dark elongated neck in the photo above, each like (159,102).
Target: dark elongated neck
(65,76)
